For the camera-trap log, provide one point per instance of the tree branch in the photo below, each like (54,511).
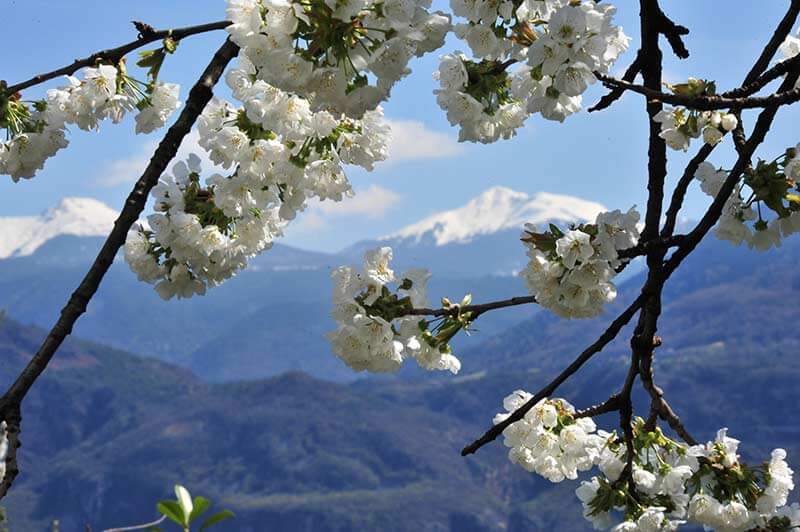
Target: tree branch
(199,96)
(681,187)
(783,29)
(476,309)
(146,35)
(770,75)
(612,404)
(704,103)
(613,330)
(674,34)
(615,94)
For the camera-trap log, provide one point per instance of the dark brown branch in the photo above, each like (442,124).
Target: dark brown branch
(651,18)
(626,422)
(762,81)
(642,343)
(674,33)
(615,94)
(612,404)
(783,29)
(704,103)
(645,247)
(681,187)
(477,310)
(199,96)
(113,55)
(613,330)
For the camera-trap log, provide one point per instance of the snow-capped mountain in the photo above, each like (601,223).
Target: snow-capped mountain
(495,210)
(480,237)
(23,235)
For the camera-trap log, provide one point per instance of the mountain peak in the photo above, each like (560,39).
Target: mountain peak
(22,235)
(497,209)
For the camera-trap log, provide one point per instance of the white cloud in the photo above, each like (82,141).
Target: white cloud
(373,203)
(126,170)
(129,169)
(411,139)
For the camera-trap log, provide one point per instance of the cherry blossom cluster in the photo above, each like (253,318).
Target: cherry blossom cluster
(550,440)
(768,187)
(662,485)
(375,333)
(570,272)
(279,153)
(679,126)
(476,97)
(671,484)
(37,131)
(345,56)
(559,44)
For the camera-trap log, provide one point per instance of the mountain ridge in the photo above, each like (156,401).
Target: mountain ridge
(21,236)
(497,209)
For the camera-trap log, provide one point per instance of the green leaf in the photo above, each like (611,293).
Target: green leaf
(216,518)
(148,58)
(201,504)
(172,510)
(556,231)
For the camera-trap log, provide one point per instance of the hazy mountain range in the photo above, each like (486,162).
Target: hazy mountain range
(272,317)
(107,433)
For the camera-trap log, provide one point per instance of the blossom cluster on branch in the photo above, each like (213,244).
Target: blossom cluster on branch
(769,187)
(662,485)
(559,45)
(279,153)
(375,332)
(37,129)
(341,55)
(570,272)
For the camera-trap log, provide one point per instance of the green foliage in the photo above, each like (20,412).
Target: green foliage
(184,511)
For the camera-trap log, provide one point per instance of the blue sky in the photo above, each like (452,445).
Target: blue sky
(600,157)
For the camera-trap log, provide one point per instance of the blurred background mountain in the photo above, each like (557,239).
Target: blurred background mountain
(237,395)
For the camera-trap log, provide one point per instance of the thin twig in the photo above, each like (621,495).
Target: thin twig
(611,404)
(615,94)
(763,80)
(113,55)
(783,29)
(704,103)
(681,187)
(475,309)
(138,527)
(674,34)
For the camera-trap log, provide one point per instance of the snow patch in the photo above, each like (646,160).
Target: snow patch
(23,235)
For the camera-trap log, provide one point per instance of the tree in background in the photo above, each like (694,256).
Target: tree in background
(310,78)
